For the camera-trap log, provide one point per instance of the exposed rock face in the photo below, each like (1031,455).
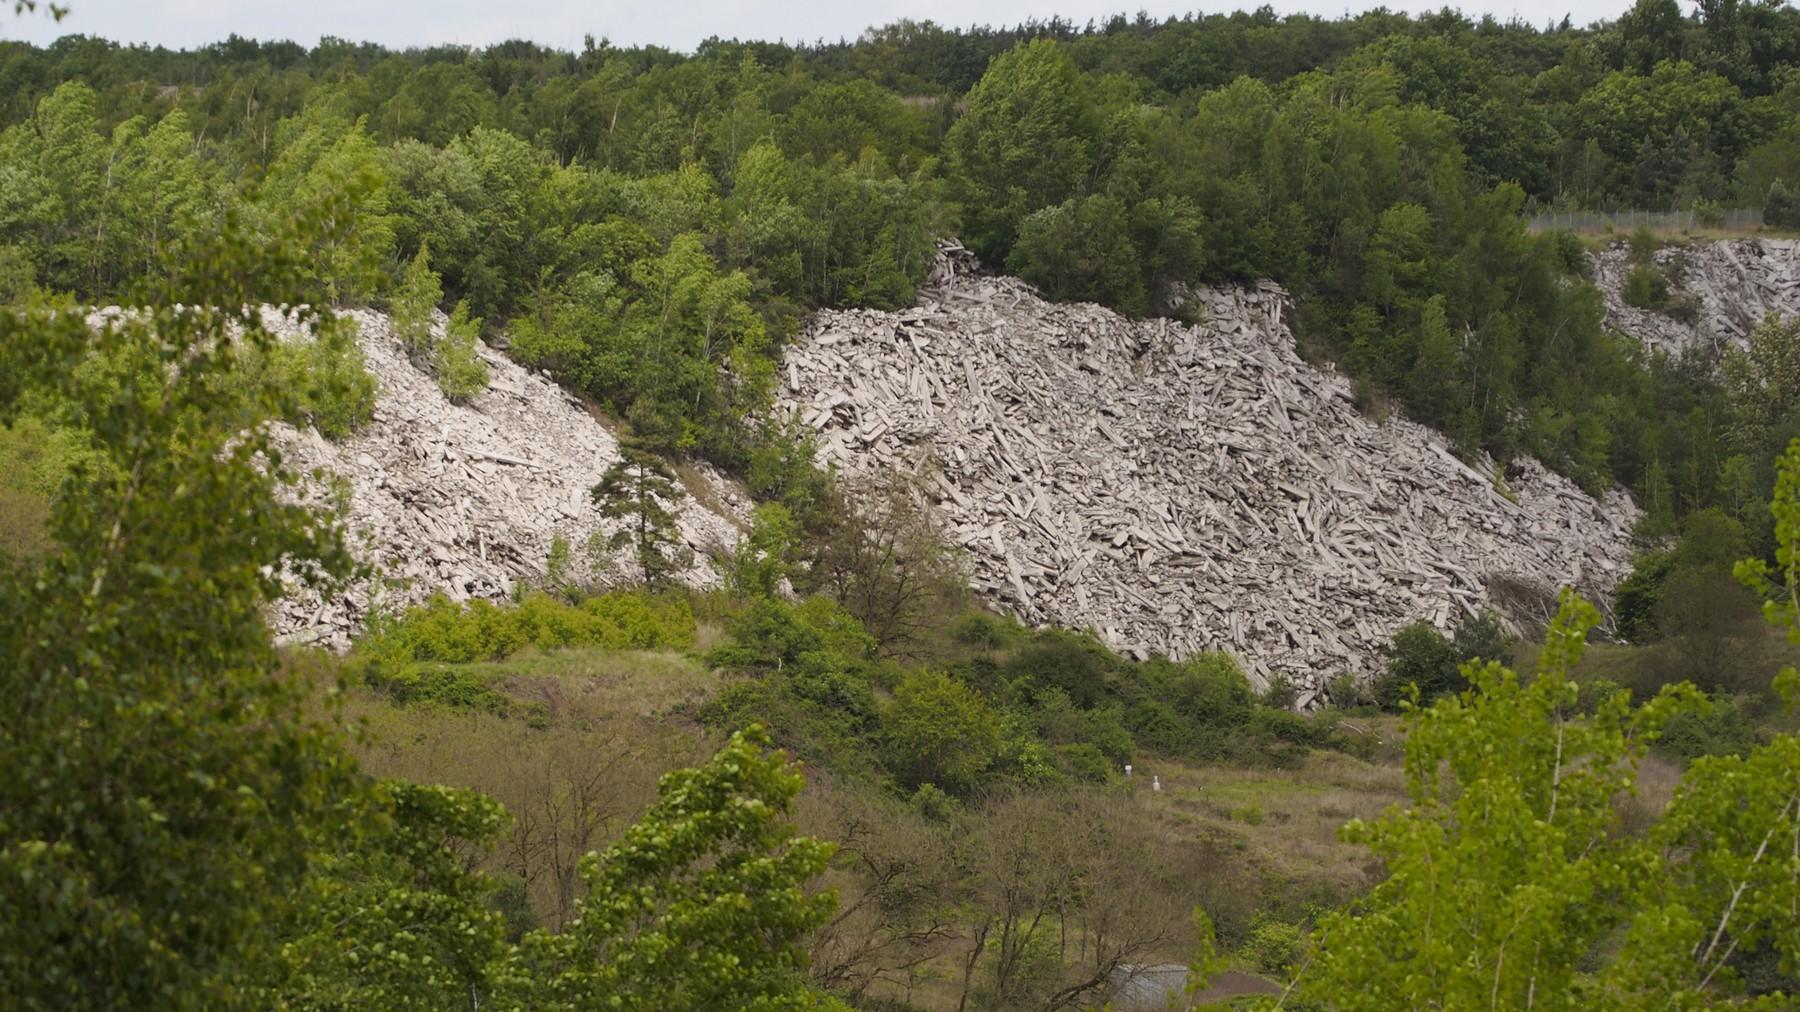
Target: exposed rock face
(1180,488)
(1734,284)
(466,499)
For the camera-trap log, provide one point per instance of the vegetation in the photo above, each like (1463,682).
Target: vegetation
(190,821)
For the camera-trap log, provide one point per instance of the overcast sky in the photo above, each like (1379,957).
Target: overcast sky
(677,24)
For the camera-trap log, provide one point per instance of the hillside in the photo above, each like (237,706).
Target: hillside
(467,500)
(1728,287)
(1183,488)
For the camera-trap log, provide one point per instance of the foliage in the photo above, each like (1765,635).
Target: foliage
(634,488)
(1500,867)
(391,917)
(702,903)
(1421,657)
(940,732)
(460,373)
(445,631)
(165,790)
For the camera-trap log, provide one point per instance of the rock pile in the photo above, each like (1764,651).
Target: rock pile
(1181,488)
(467,499)
(1733,284)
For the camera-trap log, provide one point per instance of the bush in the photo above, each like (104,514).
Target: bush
(444,631)
(939,731)
(1482,637)
(1782,209)
(1082,763)
(329,376)
(1722,729)
(1646,288)
(461,374)
(1274,947)
(1637,596)
(1073,663)
(1418,655)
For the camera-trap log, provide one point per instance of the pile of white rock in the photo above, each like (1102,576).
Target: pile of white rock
(1181,488)
(1733,285)
(467,500)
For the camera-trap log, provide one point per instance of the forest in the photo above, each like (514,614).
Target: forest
(838,782)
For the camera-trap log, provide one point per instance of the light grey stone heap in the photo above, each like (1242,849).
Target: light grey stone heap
(466,499)
(1181,488)
(1734,283)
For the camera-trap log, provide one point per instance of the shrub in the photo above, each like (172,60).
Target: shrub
(1721,730)
(939,731)
(1071,662)
(1418,655)
(1637,596)
(1082,763)
(461,374)
(1646,288)
(1782,208)
(1274,947)
(444,631)
(1482,637)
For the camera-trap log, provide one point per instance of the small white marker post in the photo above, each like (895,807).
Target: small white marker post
(1156,783)
(1128,769)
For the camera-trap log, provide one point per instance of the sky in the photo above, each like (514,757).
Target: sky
(675,24)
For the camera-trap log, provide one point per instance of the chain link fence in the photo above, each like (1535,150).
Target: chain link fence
(1656,221)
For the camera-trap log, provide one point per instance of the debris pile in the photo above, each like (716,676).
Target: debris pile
(1181,488)
(467,499)
(1727,288)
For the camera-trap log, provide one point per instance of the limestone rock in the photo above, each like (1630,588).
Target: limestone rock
(466,499)
(1181,488)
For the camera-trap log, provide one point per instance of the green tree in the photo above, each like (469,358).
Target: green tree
(1081,250)
(461,374)
(414,304)
(702,904)
(1024,142)
(634,489)
(939,731)
(1504,867)
(391,917)
(165,789)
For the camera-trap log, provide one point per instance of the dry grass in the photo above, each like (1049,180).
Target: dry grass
(1284,823)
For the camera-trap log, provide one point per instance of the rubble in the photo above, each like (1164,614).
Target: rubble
(1181,488)
(1734,283)
(466,499)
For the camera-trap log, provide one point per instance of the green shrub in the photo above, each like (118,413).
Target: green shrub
(442,630)
(939,731)
(461,374)
(1646,288)
(1637,596)
(1418,655)
(1082,763)
(1074,663)
(1274,946)
(1782,208)
(1723,729)
(1482,637)
(445,686)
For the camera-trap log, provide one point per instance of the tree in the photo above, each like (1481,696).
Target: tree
(703,903)
(1080,249)
(939,731)
(634,488)
(1502,867)
(391,916)
(1024,142)
(165,788)
(414,304)
(461,374)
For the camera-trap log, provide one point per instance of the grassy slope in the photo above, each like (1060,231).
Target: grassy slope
(597,727)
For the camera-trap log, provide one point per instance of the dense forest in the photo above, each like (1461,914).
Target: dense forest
(194,818)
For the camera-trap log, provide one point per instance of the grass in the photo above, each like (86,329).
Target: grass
(1283,823)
